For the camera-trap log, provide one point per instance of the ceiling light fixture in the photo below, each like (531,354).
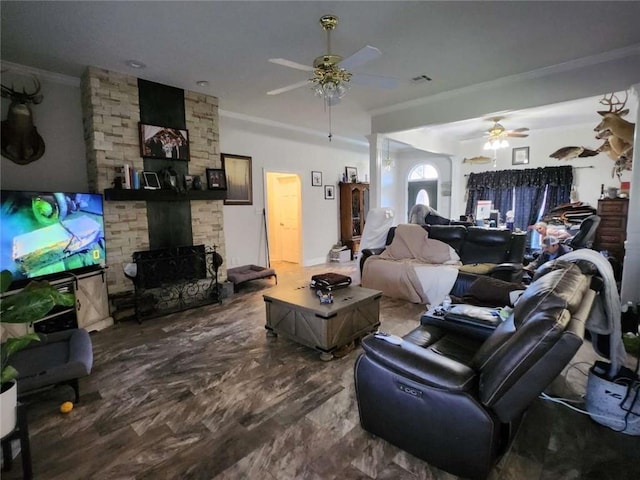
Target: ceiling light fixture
(388,162)
(496,144)
(330,82)
(202,83)
(135,64)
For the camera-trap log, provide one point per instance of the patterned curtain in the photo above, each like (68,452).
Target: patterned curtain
(529,185)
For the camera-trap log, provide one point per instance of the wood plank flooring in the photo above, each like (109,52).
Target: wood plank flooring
(205,394)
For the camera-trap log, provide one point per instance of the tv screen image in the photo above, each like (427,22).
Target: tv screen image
(42,233)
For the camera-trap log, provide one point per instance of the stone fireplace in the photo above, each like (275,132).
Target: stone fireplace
(111,113)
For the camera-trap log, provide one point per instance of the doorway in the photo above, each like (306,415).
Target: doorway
(284,219)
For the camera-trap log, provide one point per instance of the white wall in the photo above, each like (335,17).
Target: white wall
(394,183)
(59,121)
(291,153)
(541,144)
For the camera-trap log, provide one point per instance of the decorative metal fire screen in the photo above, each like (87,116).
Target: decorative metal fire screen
(173,279)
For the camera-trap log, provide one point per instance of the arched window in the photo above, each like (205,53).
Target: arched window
(423,172)
(422,186)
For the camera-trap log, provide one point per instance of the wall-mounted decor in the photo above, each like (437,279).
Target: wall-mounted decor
(163,142)
(238,172)
(21,142)
(188,182)
(329,192)
(216,179)
(352,174)
(520,156)
(316,179)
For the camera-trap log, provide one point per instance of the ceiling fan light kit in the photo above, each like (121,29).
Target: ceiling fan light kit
(498,136)
(330,75)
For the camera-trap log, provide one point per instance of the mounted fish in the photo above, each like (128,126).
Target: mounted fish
(21,141)
(480,159)
(567,153)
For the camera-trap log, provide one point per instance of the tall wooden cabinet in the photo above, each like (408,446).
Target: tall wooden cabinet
(354,206)
(612,231)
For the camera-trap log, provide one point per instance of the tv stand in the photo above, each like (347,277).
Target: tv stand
(91,309)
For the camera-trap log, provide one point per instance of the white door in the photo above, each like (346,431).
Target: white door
(289,217)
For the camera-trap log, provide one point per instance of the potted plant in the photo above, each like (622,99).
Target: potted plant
(30,304)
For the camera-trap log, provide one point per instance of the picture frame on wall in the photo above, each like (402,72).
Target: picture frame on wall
(329,192)
(163,142)
(237,170)
(316,179)
(216,179)
(520,156)
(351,173)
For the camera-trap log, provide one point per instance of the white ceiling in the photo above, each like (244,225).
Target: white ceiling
(228,44)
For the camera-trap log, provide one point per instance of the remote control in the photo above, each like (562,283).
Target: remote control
(387,337)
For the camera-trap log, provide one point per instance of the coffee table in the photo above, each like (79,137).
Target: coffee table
(295,312)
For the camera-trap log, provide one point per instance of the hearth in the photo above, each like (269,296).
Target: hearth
(172,279)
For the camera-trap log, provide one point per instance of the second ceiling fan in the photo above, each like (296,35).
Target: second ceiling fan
(497,135)
(331,78)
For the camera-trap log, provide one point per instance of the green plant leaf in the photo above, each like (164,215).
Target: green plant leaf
(5,280)
(8,373)
(33,302)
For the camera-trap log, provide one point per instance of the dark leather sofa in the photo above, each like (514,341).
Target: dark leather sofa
(474,245)
(455,398)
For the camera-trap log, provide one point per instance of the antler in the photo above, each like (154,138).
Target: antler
(613,101)
(23,97)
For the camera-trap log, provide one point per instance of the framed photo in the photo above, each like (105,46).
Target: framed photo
(316,179)
(216,179)
(150,181)
(237,170)
(352,174)
(163,142)
(520,156)
(329,192)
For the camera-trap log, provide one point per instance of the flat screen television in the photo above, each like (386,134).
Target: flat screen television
(45,233)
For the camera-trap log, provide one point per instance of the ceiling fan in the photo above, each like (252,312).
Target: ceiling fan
(497,135)
(331,77)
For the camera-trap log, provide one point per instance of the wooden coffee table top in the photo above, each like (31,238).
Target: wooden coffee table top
(305,298)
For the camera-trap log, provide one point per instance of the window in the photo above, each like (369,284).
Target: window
(423,172)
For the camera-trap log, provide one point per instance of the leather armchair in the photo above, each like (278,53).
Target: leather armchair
(455,399)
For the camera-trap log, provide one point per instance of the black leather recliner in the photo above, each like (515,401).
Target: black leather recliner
(454,398)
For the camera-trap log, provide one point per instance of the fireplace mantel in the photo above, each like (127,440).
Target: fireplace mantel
(122,194)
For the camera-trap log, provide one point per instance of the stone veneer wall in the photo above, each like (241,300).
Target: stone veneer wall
(111,113)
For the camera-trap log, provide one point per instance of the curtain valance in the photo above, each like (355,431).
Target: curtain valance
(530,177)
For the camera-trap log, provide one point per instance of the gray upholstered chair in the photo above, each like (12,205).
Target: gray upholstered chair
(59,358)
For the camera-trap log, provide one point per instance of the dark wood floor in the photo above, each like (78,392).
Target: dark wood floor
(205,394)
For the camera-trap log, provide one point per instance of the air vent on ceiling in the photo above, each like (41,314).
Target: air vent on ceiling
(420,79)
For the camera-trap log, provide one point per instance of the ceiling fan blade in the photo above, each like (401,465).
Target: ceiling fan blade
(374,81)
(293,86)
(516,134)
(288,63)
(523,129)
(361,56)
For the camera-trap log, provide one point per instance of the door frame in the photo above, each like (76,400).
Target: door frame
(267,175)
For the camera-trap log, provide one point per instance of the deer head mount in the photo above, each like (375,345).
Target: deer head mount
(617,132)
(21,141)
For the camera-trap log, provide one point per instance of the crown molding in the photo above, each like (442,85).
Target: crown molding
(50,76)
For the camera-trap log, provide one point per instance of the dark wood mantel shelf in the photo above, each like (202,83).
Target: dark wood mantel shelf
(117,194)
